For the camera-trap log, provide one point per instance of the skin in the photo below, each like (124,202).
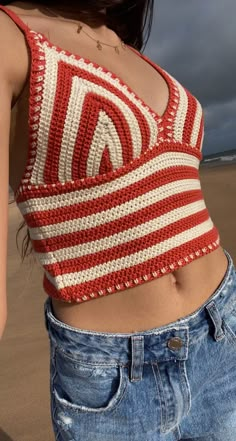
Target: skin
(153,303)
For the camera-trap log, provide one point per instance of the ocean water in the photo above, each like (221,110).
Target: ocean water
(222,158)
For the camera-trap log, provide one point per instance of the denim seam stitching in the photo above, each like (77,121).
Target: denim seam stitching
(158,387)
(220,336)
(185,386)
(85,362)
(229,334)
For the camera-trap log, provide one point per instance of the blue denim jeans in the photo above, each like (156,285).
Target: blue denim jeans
(174,382)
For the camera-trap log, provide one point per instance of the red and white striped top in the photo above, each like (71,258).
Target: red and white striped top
(111,192)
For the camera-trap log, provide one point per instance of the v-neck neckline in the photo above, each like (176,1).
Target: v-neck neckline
(172,96)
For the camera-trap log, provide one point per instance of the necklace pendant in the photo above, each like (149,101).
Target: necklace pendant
(79,28)
(117,49)
(99,46)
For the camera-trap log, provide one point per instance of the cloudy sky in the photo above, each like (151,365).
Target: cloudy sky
(195,41)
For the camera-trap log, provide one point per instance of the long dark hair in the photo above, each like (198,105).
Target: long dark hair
(132,22)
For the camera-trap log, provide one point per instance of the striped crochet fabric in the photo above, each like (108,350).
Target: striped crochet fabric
(111,191)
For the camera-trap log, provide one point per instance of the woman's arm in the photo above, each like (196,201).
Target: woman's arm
(5,110)
(13,62)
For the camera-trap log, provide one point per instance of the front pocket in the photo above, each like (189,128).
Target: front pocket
(87,387)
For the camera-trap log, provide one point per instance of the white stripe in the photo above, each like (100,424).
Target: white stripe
(105,135)
(158,163)
(48,98)
(70,279)
(132,206)
(197,124)
(123,237)
(181,113)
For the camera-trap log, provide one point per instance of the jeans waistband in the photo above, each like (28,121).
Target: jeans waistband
(164,343)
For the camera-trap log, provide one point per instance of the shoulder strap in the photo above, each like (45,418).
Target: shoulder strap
(36,80)
(16,19)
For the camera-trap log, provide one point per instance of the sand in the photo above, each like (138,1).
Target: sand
(24,348)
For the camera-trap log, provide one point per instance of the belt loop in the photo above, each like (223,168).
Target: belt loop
(216,319)
(137,348)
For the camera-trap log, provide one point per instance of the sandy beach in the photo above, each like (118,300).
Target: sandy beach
(24,349)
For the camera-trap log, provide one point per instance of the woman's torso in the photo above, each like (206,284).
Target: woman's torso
(153,303)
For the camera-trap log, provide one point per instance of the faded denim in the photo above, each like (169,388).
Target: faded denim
(174,382)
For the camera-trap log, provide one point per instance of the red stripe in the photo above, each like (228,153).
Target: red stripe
(85,133)
(190,118)
(129,274)
(51,167)
(134,246)
(106,164)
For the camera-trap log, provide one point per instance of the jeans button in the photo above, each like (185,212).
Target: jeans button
(175,343)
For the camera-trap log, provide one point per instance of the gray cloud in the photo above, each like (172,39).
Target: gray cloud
(195,41)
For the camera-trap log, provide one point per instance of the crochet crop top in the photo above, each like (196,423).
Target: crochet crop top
(111,192)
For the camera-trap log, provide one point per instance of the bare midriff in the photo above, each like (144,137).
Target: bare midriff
(151,304)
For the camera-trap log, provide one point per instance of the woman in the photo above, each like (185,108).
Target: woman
(105,147)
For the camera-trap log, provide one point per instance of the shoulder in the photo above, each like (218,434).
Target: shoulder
(14,55)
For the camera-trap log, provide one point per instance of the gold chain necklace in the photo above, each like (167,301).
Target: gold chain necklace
(99,42)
